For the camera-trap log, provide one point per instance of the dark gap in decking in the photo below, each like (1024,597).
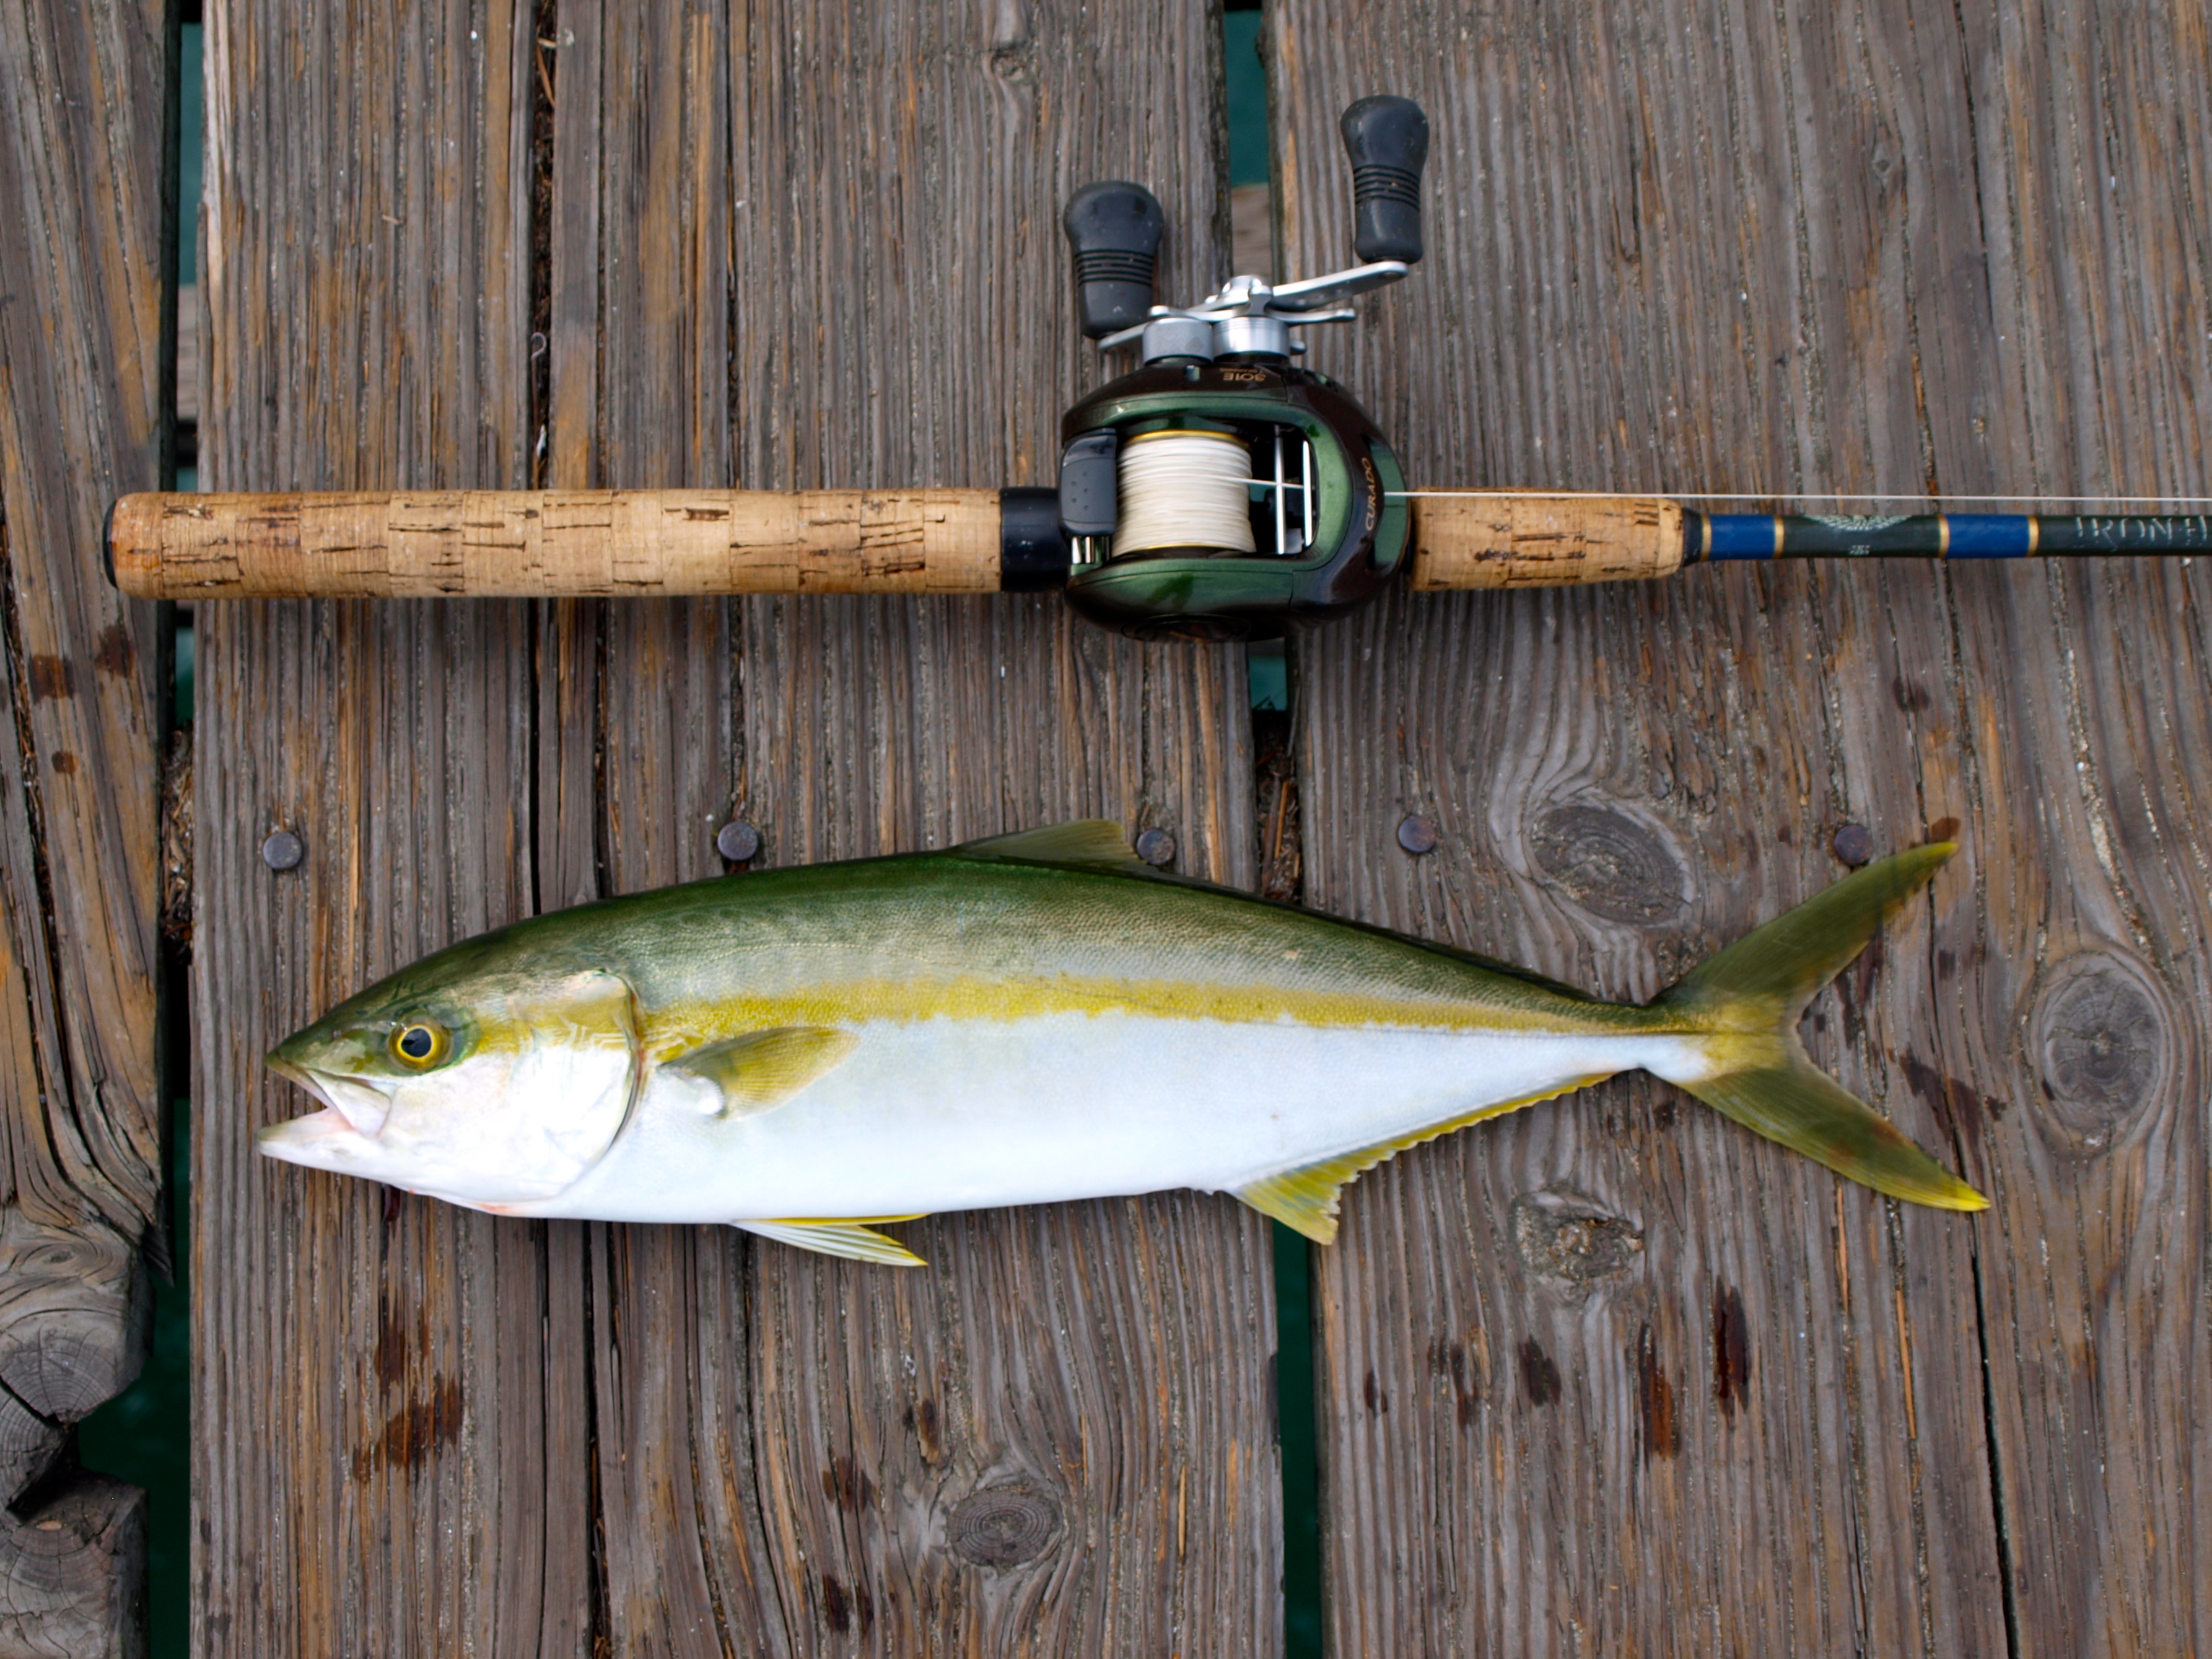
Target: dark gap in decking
(601,1633)
(143,1434)
(543,49)
(2007,1591)
(546,622)
(545,612)
(1246,105)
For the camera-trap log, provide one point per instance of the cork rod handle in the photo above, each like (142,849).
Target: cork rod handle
(1538,541)
(640,543)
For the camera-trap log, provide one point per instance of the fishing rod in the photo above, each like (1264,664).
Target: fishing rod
(1217,490)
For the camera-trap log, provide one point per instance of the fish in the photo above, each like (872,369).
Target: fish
(810,1054)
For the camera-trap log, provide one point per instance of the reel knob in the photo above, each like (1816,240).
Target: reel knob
(1387,140)
(1114,230)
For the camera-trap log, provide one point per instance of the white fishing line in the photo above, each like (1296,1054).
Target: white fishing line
(1793,495)
(1185,490)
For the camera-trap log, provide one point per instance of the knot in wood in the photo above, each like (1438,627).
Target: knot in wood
(1609,864)
(1004,1526)
(1571,1240)
(2101,1044)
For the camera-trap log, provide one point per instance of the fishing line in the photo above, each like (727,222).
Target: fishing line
(1185,488)
(1793,495)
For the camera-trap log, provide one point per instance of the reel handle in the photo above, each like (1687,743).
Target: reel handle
(1114,230)
(1387,139)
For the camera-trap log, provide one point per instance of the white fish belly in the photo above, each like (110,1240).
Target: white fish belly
(941,1115)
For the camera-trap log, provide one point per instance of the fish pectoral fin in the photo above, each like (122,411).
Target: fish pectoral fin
(847,1239)
(1306,1198)
(761,1070)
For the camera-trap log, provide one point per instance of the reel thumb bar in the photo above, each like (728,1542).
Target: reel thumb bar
(612,543)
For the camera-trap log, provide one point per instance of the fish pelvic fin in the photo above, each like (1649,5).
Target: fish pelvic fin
(849,1239)
(1747,1002)
(1306,1200)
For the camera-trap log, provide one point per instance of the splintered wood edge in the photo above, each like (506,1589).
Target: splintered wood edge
(1538,541)
(523,544)
(70,1571)
(73,1334)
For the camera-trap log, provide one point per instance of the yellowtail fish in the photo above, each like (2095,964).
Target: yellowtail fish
(1029,1018)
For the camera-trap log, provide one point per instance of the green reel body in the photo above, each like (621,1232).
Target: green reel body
(1351,539)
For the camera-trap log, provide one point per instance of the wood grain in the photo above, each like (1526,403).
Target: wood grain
(1613,1376)
(76,1574)
(85,315)
(73,1313)
(392,1453)
(82,155)
(1058,1438)
(484,543)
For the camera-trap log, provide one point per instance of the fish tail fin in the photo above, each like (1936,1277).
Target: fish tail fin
(1747,1002)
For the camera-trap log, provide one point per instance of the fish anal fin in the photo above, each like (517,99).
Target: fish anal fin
(760,1070)
(850,1239)
(1306,1198)
(1090,843)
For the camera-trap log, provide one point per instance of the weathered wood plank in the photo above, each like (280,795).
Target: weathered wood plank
(1615,1376)
(1057,1438)
(83,148)
(392,1454)
(84,313)
(2083,743)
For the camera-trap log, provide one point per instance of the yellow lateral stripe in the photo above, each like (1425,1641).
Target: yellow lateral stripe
(679,1029)
(1305,1200)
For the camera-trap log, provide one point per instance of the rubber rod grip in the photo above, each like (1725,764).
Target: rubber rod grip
(1538,541)
(456,543)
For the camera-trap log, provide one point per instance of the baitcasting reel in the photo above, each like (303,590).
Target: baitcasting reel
(1218,491)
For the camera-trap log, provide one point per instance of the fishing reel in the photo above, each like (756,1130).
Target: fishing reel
(1218,491)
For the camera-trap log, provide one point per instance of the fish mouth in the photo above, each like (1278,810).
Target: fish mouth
(347,1105)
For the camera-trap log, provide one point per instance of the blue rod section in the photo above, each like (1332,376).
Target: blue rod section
(1942,535)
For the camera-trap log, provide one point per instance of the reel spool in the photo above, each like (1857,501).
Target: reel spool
(1219,492)
(1183,490)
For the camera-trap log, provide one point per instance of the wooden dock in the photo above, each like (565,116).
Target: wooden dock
(1608,1377)
(86,310)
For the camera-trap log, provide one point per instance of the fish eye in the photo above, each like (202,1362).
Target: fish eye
(419,1044)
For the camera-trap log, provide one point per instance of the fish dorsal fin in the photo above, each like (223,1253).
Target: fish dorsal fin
(1088,843)
(759,1071)
(849,1239)
(1304,1200)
